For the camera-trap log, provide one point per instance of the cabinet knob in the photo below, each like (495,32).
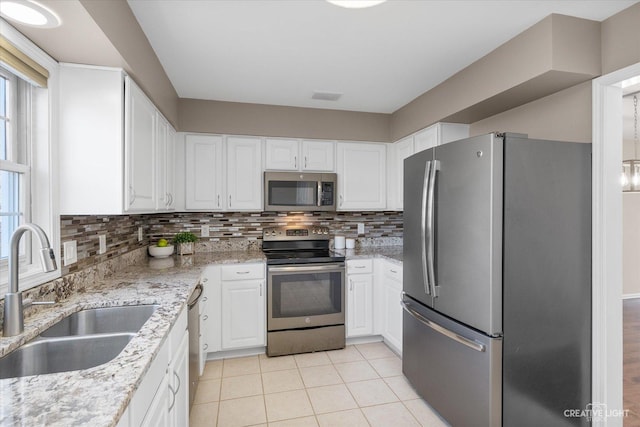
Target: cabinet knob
(205,317)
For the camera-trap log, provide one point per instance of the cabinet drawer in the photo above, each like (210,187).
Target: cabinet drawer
(392,271)
(242,271)
(360,266)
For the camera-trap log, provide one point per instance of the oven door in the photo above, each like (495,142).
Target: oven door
(305,296)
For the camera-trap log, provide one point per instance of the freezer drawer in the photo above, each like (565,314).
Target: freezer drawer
(457,370)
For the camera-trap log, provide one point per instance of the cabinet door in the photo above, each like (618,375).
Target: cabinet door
(400,151)
(361,176)
(170,168)
(204,172)
(140,155)
(360,305)
(282,154)
(164,162)
(244,174)
(426,138)
(318,156)
(390,304)
(179,385)
(243,314)
(158,413)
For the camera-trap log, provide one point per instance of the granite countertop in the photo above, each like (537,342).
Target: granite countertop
(62,399)
(391,253)
(98,396)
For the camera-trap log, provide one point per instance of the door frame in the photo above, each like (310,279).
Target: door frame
(607,243)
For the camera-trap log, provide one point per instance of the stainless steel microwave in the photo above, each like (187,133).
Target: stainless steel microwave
(299,191)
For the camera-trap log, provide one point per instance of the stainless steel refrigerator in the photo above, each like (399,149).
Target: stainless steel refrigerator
(497,280)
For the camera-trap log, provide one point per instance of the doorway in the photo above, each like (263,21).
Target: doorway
(607,353)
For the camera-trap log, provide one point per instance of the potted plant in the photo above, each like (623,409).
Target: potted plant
(184,242)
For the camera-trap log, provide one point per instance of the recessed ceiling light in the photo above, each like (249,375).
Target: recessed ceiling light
(29,12)
(356,4)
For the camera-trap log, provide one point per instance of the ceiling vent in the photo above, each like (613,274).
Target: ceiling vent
(326,96)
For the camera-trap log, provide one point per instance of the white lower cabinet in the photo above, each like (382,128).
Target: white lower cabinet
(233,314)
(162,399)
(243,318)
(390,308)
(359,298)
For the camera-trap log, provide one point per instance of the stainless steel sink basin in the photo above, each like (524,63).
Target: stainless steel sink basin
(82,340)
(47,356)
(102,321)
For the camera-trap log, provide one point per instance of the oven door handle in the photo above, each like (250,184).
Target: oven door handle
(298,268)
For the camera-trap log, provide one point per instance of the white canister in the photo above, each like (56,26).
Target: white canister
(351,243)
(338,242)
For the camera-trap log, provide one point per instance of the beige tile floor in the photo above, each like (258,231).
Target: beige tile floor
(361,385)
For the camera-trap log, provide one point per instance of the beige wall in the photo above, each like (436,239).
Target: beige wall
(631,243)
(565,116)
(116,20)
(621,39)
(554,54)
(271,120)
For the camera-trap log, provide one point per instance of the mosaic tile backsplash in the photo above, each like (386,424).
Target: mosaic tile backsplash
(228,230)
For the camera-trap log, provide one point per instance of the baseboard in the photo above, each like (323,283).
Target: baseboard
(630,296)
(236,353)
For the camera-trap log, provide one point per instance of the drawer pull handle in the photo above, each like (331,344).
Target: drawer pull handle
(206,346)
(205,317)
(243,272)
(393,271)
(359,266)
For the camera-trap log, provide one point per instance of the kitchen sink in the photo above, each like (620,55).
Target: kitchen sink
(48,356)
(102,321)
(82,340)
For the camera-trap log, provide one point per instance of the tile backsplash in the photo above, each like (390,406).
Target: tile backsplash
(226,229)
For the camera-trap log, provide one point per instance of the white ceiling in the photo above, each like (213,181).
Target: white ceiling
(281,51)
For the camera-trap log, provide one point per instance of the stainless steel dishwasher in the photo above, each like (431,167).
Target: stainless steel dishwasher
(194,341)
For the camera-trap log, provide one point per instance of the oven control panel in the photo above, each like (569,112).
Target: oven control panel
(295,233)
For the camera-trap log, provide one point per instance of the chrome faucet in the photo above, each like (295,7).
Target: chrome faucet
(13,323)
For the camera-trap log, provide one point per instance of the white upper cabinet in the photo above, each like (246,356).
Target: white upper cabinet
(397,153)
(361,176)
(282,154)
(108,144)
(438,134)
(318,156)
(244,173)
(140,150)
(295,155)
(204,169)
(165,166)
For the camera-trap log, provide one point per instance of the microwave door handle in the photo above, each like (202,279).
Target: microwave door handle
(423,227)
(319,193)
(435,165)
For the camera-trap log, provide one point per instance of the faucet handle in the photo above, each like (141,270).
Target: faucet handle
(28,302)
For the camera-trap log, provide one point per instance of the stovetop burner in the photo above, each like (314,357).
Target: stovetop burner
(298,245)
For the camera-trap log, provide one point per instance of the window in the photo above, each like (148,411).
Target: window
(27,138)
(14,162)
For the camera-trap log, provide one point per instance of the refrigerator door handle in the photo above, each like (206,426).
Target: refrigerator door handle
(423,227)
(474,345)
(435,165)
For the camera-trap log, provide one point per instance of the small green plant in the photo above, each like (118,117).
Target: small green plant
(184,237)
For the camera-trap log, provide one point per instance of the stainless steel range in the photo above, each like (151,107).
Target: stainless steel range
(305,291)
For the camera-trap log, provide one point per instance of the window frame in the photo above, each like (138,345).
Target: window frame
(41,149)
